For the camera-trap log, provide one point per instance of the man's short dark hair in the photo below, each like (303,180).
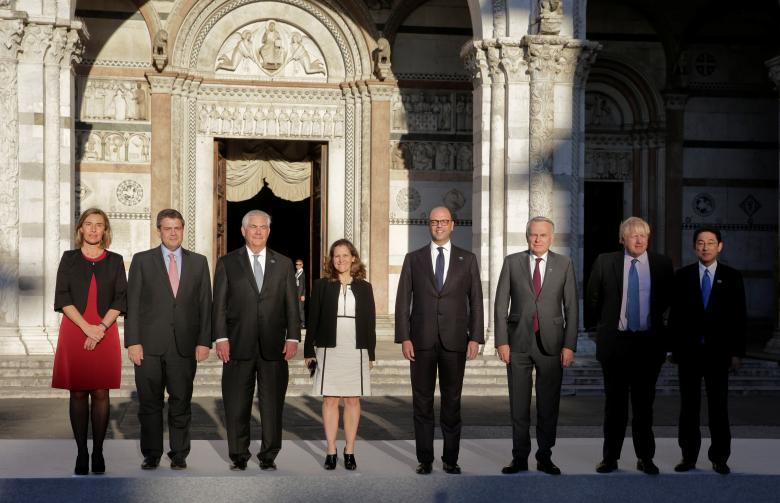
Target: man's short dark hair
(706,228)
(169,213)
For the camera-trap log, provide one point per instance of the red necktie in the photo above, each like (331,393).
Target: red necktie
(537,288)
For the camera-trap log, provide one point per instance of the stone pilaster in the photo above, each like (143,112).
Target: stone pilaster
(11,33)
(349,94)
(161,88)
(675,134)
(773,346)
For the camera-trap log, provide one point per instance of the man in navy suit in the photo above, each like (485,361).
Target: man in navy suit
(707,324)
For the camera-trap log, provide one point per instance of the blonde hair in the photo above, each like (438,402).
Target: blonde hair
(631,224)
(105,241)
(357,270)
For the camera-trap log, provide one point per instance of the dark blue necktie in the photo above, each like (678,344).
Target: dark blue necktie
(632,303)
(439,271)
(706,288)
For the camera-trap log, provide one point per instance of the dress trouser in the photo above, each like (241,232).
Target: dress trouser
(549,375)
(238,389)
(631,370)
(451,366)
(159,373)
(715,372)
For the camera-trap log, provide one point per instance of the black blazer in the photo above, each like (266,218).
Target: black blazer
(154,315)
(425,316)
(722,323)
(255,321)
(604,295)
(321,331)
(74,275)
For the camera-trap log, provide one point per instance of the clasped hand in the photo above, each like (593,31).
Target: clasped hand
(95,334)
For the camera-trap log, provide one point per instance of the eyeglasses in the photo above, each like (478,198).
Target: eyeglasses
(708,244)
(436,223)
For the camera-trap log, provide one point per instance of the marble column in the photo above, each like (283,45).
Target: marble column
(11,31)
(381,95)
(773,346)
(675,134)
(161,87)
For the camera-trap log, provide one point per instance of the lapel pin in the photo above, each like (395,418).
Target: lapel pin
(719,281)
(273,261)
(460,257)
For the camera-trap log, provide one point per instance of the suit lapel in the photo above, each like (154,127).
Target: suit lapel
(185,267)
(424,256)
(617,269)
(243,264)
(456,265)
(160,264)
(270,268)
(551,269)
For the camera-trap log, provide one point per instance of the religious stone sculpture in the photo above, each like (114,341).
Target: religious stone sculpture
(550,17)
(160,50)
(382,59)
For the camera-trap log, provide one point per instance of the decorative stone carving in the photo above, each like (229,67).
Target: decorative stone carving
(57,48)
(160,50)
(113,147)
(475,61)
(608,165)
(601,111)
(550,16)
(11,33)
(270,49)
(113,100)
(129,192)
(408,199)
(382,59)
(512,62)
(431,112)
(430,156)
(454,200)
(703,204)
(6,4)
(36,40)
(265,120)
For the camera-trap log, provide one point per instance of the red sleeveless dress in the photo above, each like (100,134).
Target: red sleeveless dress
(78,369)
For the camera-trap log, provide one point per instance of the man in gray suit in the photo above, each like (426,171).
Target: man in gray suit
(536,319)
(167,330)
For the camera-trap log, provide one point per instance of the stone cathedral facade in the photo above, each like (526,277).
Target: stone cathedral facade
(374,111)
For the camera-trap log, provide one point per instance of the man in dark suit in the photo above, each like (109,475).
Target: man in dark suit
(256,330)
(438,322)
(627,296)
(707,325)
(167,330)
(300,285)
(536,320)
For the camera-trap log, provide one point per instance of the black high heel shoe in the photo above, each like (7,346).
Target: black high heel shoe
(82,464)
(98,463)
(330,461)
(349,461)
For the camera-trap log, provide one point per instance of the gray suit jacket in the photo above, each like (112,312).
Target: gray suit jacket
(557,304)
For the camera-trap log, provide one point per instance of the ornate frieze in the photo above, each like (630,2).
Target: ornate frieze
(416,111)
(608,165)
(269,120)
(108,100)
(271,49)
(431,156)
(113,147)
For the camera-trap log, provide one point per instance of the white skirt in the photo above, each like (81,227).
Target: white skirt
(343,370)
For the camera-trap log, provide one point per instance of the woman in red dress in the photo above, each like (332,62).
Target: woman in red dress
(91,293)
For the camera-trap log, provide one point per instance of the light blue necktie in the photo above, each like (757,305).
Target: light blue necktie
(632,303)
(706,288)
(258,273)
(439,271)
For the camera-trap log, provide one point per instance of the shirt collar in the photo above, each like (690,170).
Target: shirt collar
(447,246)
(543,257)
(642,258)
(252,254)
(710,268)
(166,251)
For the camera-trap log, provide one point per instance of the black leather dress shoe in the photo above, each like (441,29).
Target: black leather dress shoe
(82,464)
(647,466)
(238,465)
(150,463)
(330,461)
(178,464)
(606,466)
(684,466)
(721,468)
(517,465)
(548,467)
(267,465)
(98,463)
(424,468)
(453,469)
(349,461)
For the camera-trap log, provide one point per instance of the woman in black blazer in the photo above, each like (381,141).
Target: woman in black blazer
(91,293)
(342,328)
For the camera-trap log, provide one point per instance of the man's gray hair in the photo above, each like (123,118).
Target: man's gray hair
(255,213)
(538,219)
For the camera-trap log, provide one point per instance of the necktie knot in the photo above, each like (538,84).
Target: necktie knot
(634,261)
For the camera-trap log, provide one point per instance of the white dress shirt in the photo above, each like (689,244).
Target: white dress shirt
(435,253)
(542,265)
(167,259)
(643,270)
(712,267)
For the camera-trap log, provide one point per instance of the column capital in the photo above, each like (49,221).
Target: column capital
(11,34)
(36,41)
(475,60)
(381,91)
(160,84)
(774,70)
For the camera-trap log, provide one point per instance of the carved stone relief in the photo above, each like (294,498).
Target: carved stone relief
(113,100)
(271,49)
(431,156)
(267,120)
(431,112)
(601,111)
(113,146)
(608,165)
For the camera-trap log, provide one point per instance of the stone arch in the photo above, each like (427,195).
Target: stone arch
(481,12)
(151,18)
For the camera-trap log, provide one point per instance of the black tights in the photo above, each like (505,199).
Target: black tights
(80,415)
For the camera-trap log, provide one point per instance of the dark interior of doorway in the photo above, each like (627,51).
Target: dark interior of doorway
(603,214)
(296,226)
